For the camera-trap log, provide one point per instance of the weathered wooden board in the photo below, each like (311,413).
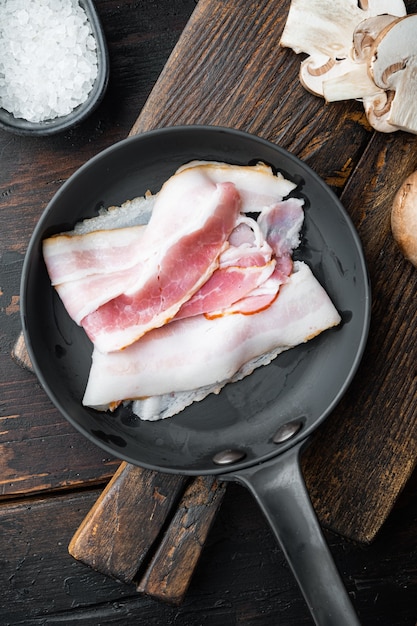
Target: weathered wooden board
(242,576)
(121,543)
(240,77)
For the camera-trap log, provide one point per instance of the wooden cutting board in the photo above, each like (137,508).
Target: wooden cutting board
(229,70)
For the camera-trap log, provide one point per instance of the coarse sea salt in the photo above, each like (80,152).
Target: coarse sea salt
(48,58)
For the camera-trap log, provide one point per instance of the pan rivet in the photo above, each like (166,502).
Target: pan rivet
(286,431)
(226,457)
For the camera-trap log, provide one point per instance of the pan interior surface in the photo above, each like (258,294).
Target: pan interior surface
(303,384)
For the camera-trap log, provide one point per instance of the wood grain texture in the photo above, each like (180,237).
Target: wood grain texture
(362,457)
(242,577)
(168,575)
(119,533)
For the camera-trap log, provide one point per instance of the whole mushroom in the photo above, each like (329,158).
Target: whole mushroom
(404,218)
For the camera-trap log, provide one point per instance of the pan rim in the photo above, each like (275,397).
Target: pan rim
(34,241)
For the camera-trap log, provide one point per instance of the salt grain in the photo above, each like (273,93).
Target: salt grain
(48,58)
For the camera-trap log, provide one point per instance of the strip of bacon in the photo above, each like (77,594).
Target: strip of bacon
(225,287)
(101,259)
(166,359)
(258,299)
(228,290)
(281,225)
(257,184)
(73,257)
(190,224)
(243,266)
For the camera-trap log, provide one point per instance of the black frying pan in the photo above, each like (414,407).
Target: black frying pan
(254,430)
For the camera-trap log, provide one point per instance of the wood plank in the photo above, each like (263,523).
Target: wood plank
(168,575)
(118,535)
(364,454)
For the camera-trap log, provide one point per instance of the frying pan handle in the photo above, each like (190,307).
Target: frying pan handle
(279,488)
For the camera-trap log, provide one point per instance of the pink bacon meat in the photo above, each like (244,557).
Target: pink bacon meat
(190,224)
(244,265)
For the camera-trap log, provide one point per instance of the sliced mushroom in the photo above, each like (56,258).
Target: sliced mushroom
(366,33)
(353,80)
(324,29)
(353,83)
(315,70)
(320,27)
(393,67)
(404,218)
(377,110)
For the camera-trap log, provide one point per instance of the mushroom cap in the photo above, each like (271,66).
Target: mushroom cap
(404,218)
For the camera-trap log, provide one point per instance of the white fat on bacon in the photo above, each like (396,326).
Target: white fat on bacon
(167,359)
(257,184)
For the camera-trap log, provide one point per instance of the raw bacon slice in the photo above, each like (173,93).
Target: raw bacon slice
(82,297)
(281,225)
(165,360)
(244,265)
(100,259)
(189,227)
(73,257)
(257,184)
(85,264)
(100,244)
(246,248)
(225,287)
(260,298)
(238,289)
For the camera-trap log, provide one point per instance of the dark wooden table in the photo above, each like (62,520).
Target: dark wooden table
(50,476)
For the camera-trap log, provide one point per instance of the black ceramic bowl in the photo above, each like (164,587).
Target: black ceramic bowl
(304,383)
(60,124)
